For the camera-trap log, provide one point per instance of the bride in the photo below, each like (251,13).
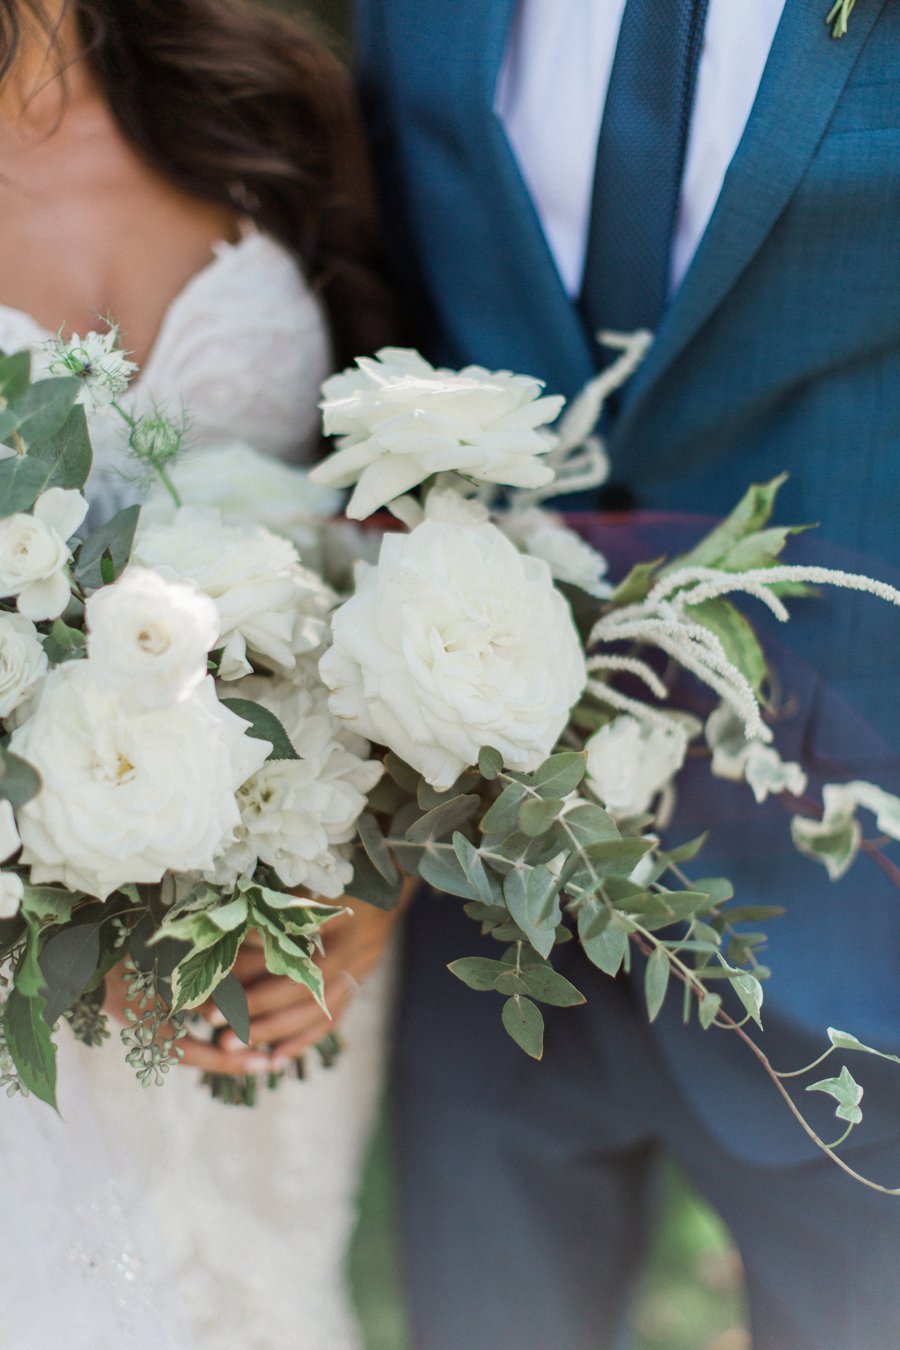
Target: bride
(192,168)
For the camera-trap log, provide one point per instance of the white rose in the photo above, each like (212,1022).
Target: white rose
(12,891)
(148,638)
(455,641)
(271,609)
(630,762)
(569,557)
(401,421)
(34,553)
(23,661)
(296,813)
(247,486)
(126,798)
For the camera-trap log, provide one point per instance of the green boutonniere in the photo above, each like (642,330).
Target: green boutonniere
(839,17)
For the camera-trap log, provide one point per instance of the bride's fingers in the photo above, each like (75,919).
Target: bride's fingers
(303,1018)
(277,992)
(215,1059)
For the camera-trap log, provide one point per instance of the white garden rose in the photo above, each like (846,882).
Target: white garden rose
(248,486)
(11,888)
(297,813)
(400,421)
(34,553)
(23,661)
(271,609)
(455,641)
(149,638)
(126,797)
(630,762)
(569,557)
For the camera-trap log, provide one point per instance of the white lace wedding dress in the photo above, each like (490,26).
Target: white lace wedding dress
(159,1219)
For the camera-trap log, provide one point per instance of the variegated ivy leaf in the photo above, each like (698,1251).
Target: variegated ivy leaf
(843,1040)
(846,1092)
(737,758)
(834,843)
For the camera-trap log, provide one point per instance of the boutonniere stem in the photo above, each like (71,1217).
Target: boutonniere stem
(839,17)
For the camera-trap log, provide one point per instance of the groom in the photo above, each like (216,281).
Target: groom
(724,173)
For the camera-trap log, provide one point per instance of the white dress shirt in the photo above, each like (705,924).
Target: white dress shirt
(551,94)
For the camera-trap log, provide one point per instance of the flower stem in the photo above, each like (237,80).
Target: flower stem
(839,17)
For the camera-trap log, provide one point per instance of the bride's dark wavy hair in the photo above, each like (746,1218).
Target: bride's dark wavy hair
(246,109)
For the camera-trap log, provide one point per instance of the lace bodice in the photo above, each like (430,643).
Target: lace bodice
(242,351)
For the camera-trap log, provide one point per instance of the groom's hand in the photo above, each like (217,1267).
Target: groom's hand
(285,1019)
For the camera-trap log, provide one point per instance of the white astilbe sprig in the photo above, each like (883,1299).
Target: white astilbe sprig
(694,648)
(579,458)
(631,665)
(715,583)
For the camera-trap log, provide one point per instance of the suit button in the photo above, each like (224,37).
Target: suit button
(616,497)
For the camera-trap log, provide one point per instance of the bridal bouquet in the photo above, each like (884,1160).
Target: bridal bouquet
(191,715)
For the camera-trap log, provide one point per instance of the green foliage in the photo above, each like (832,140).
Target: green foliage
(113,542)
(30,1045)
(19,782)
(738,638)
(740,541)
(263,726)
(230,998)
(68,961)
(525,1024)
(846,1092)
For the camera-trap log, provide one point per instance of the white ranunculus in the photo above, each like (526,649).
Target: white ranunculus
(34,553)
(630,762)
(125,797)
(97,360)
(297,813)
(23,661)
(400,421)
(149,638)
(271,609)
(248,486)
(454,641)
(569,557)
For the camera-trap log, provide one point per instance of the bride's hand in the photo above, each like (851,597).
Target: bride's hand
(285,1017)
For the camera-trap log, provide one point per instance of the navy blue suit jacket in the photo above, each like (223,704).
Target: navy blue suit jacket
(780,351)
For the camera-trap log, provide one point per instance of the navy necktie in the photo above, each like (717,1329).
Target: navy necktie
(640,160)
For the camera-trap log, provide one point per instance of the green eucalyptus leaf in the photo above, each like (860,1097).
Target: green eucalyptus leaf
(114,540)
(372,840)
(30,1045)
(718,890)
(588,824)
(708,1009)
(22,480)
(444,872)
(65,449)
(19,782)
(547,986)
(402,773)
(264,726)
(687,852)
(536,816)
(525,1024)
(503,815)
(371,885)
(48,904)
(15,376)
(44,409)
(560,774)
(479,972)
(444,819)
(532,898)
(472,865)
(490,762)
(605,940)
(656,982)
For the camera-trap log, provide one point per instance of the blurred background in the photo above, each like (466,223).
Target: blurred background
(693,1294)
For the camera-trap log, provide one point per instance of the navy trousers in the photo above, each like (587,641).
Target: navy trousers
(527,1189)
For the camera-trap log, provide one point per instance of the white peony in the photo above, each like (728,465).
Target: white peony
(248,486)
(630,762)
(23,661)
(34,553)
(400,421)
(125,797)
(454,641)
(271,609)
(296,814)
(569,557)
(148,638)
(97,360)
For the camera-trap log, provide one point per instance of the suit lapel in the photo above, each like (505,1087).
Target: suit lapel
(803,80)
(538,302)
